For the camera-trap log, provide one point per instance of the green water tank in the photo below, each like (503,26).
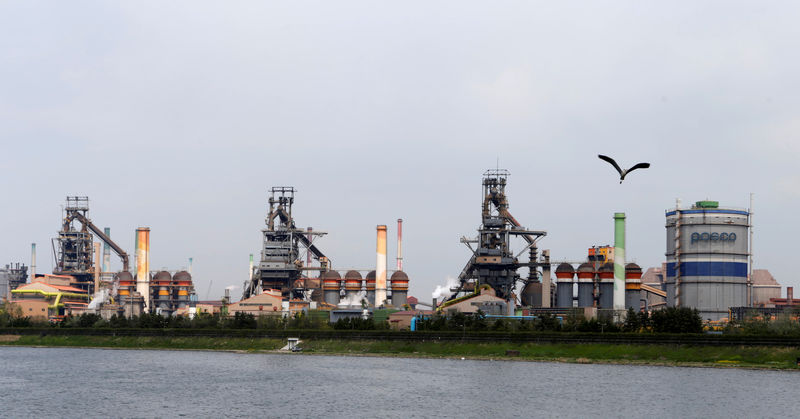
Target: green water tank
(707,204)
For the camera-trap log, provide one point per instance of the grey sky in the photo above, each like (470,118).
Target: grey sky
(180,115)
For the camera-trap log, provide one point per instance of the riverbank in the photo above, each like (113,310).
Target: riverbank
(771,357)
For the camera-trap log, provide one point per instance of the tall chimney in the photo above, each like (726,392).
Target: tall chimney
(96,266)
(143,264)
(380,267)
(251,266)
(399,244)
(33,262)
(619,261)
(191,260)
(106,252)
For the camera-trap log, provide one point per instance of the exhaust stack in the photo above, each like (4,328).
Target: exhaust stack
(106,251)
(399,244)
(619,261)
(380,267)
(33,261)
(143,264)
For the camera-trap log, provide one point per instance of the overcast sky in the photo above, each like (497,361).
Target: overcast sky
(180,115)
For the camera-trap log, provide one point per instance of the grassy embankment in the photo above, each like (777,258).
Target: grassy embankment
(687,355)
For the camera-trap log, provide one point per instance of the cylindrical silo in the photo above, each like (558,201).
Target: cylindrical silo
(352,284)
(633,286)
(160,286)
(565,273)
(330,286)
(606,273)
(182,280)
(399,283)
(707,258)
(126,285)
(370,280)
(585,285)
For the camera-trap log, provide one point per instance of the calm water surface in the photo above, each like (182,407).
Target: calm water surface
(59,382)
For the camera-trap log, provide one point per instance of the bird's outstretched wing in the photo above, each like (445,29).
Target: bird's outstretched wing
(612,162)
(639,166)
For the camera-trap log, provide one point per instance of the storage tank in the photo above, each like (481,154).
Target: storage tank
(126,284)
(183,282)
(371,288)
(565,274)
(399,283)
(330,286)
(606,273)
(352,284)
(633,286)
(586,285)
(707,258)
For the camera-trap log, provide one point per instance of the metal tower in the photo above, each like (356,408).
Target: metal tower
(493,261)
(281,264)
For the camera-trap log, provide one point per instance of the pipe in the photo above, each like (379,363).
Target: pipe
(143,264)
(399,244)
(750,270)
(106,251)
(619,261)
(380,267)
(308,252)
(678,252)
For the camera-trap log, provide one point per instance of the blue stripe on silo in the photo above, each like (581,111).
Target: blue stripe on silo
(708,211)
(738,269)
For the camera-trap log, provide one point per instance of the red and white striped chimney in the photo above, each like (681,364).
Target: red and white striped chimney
(399,244)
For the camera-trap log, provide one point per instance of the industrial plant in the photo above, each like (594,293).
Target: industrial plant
(708,266)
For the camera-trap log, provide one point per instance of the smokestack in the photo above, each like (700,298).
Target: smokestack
(251,266)
(106,252)
(399,244)
(619,261)
(33,261)
(380,267)
(143,264)
(96,266)
(190,265)
(546,278)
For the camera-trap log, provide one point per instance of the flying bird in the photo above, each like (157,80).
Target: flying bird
(622,173)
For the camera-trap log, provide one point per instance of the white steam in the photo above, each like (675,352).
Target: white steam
(353,300)
(444,290)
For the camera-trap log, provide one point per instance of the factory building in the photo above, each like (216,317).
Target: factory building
(50,297)
(707,258)
(267,303)
(11,277)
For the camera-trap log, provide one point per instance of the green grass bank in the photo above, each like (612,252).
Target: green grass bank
(774,357)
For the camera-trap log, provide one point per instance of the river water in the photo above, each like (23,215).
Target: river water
(58,382)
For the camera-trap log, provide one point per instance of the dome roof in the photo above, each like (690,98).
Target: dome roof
(586,267)
(607,267)
(162,276)
(351,274)
(371,275)
(633,267)
(399,276)
(331,275)
(565,267)
(182,276)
